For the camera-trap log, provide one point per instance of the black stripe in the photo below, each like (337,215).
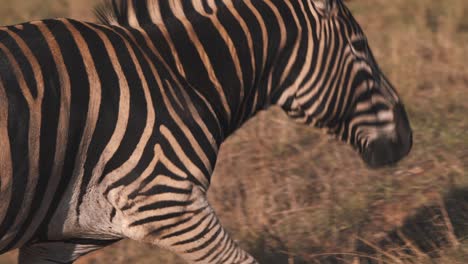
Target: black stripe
(157,232)
(196,73)
(112,215)
(21,58)
(138,107)
(160,169)
(232,250)
(159,218)
(78,112)
(183,138)
(88,241)
(142,12)
(163,205)
(18,131)
(206,244)
(207,228)
(189,228)
(175,157)
(108,111)
(222,251)
(148,152)
(160,189)
(50,114)
(156,218)
(218,53)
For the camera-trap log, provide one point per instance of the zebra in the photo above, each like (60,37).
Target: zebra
(111,130)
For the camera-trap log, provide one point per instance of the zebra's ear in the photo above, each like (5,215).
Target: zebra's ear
(323,6)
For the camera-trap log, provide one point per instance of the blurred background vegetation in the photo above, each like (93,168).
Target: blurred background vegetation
(289,194)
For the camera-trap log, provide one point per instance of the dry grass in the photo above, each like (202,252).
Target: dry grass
(291,195)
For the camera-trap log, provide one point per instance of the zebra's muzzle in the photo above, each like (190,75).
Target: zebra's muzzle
(385,150)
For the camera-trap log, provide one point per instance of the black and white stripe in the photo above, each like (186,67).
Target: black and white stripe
(112,130)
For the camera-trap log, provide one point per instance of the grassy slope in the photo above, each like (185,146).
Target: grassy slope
(286,190)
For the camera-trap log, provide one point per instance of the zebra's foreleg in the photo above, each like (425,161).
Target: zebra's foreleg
(194,233)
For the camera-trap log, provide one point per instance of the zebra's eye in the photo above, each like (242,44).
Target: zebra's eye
(359,46)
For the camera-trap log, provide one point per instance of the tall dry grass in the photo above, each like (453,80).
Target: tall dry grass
(291,195)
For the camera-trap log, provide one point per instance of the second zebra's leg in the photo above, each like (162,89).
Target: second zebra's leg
(59,252)
(195,234)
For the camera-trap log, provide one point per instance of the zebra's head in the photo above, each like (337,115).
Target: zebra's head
(344,91)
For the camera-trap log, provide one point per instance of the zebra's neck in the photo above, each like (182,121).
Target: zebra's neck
(239,55)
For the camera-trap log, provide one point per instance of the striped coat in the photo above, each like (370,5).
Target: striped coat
(112,130)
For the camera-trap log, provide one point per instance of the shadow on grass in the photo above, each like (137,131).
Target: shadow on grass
(423,236)
(425,233)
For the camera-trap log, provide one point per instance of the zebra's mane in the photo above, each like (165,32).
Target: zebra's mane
(126,12)
(112,12)
(136,13)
